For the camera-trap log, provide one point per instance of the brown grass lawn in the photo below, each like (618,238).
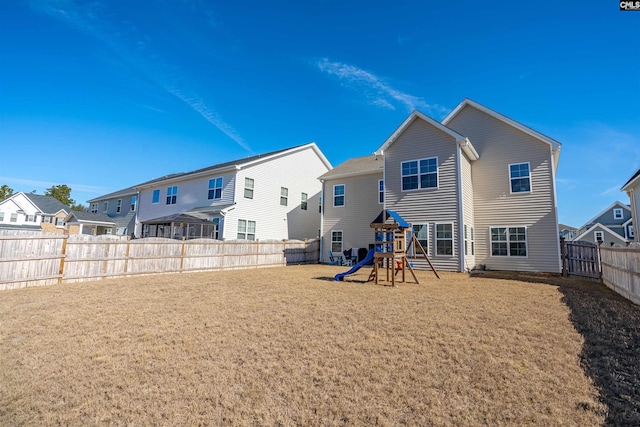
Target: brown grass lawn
(286,346)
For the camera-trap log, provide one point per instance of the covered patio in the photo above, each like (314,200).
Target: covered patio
(179,226)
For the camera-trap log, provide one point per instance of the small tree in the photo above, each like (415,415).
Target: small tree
(62,193)
(79,207)
(5,191)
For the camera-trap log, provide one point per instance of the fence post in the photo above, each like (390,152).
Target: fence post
(62,257)
(563,254)
(182,254)
(126,261)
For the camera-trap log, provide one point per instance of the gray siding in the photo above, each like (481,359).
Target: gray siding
(353,219)
(609,238)
(499,145)
(425,206)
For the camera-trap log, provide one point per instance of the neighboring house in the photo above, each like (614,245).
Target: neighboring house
(94,224)
(567,232)
(268,196)
(478,188)
(632,188)
(121,206)
(353,197)
(612,225)
(27,211)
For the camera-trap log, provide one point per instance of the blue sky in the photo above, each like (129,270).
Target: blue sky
(101,95)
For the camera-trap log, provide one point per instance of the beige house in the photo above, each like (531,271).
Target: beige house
(478,189)
(632,188)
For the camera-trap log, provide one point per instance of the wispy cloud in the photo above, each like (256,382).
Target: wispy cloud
(131,45)
(33,184)
(375,88)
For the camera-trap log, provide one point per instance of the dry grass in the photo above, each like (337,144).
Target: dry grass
(286,347)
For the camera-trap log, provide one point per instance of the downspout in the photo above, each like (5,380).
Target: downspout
(322,222)
(460,207)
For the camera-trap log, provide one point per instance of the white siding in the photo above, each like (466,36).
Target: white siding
(467,208)
(360,209)
(426,206)
(298,171)
(499,145)
(19,203)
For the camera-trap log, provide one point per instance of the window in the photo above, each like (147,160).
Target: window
(14,217)
(598,236)
(246,230)
(473,249)
(1,216)
(320,204)
(248,188)
(284,196)
(59,222)
(338,195)
(631,235)
(444,239)
(94,208)
(421,173)
(215,188)
(520,178)
(421,231)
(172,195)
(156,196)
(118,205)
(336,241)
(509,241)
(105,206)
(617,213)
(134,200)
(466,240)
(303,201)
(381,191)
(49,219)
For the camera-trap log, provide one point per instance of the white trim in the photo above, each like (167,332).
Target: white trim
(461,224)
(341,240)
(602,227)
(615,213)
(511,178)
(379,191)
(508,255)
(460,139)
(344,196)
(435,239)
(428,247)
(437,172)
(598,233)
(632,182)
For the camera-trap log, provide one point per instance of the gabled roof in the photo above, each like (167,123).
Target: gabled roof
(635,180)
(395,216)
(461,140)
(234,165)
(90,217)
(566,227)
(45,204)
(177,217)
(603,228)
(129,191)
(613,205)
(364,165)
(555,145)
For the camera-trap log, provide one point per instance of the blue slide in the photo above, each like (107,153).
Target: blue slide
(356,267)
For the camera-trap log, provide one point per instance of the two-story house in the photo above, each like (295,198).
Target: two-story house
(632,188)
(120,206)
(28,211)
(478,189)
(268,196)
(613,225)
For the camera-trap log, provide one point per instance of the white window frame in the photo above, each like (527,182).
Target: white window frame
(105,207)
(426,247)
(343,195)
(473,242)
(335,233)
(14,217)
(631,232)
(249,189)
(419,173)
(617,213)
(155,196)
(1,216)
(381,191)
(437,239)
(59,222)
(598,233)
(304,201)
(93,208)
(134,201)
(284,196)
(172,195)
(508,240)
(246,230)
(466,240)
(215,188)
(118,205)
(512,178)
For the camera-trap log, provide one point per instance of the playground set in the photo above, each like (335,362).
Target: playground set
(390,250)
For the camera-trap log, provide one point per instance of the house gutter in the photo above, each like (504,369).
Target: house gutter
(460,208)
(321,243)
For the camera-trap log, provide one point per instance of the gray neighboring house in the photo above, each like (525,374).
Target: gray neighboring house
(613,225)
(121,207)
(567,232)
(94,224)
(632,188)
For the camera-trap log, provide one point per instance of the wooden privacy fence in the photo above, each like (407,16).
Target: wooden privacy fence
(46,259)
(621,269)
(580,259)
